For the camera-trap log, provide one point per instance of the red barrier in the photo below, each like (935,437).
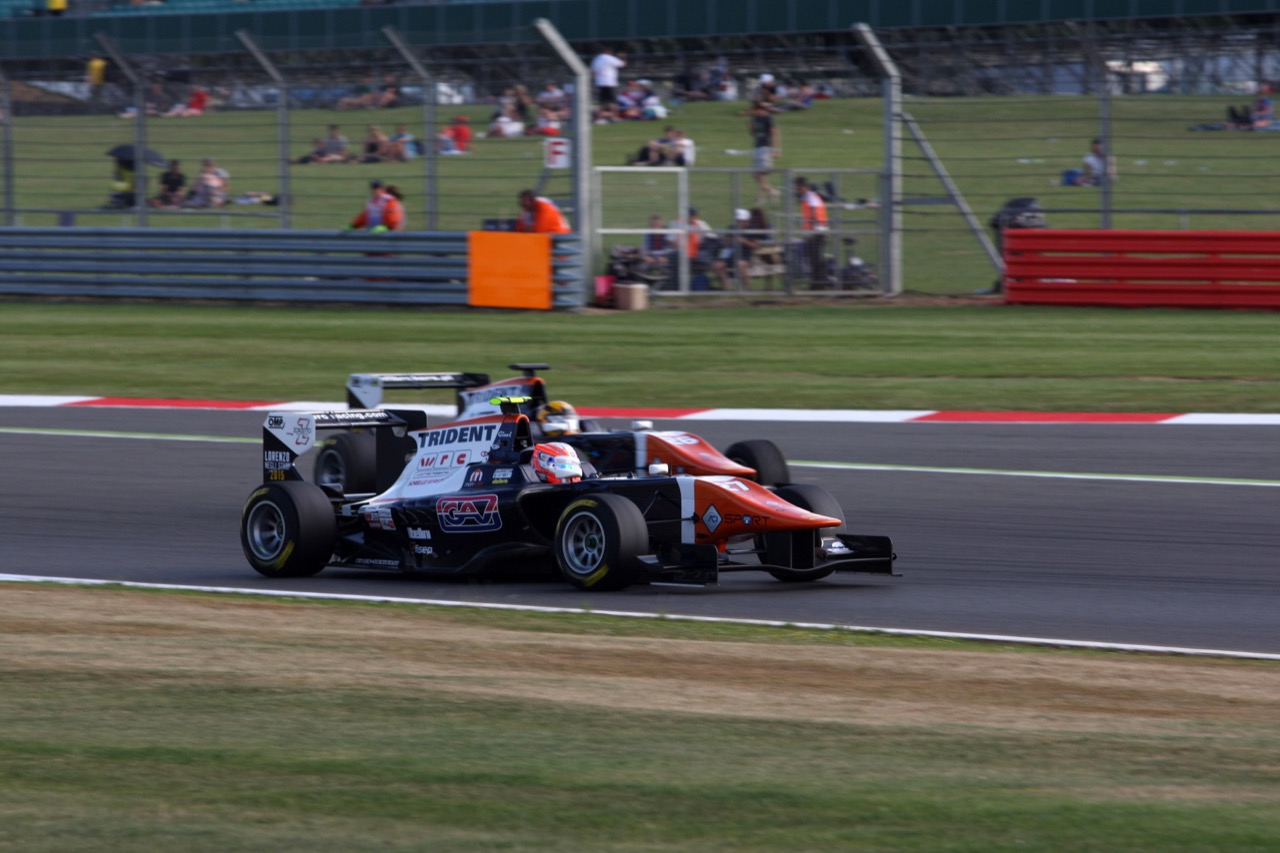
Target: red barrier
(1142,269)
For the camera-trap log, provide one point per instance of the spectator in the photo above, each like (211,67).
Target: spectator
(768,92)
(764,147)
(653,152)
(699,237)
(456,138)
(523,108)
(96,76)
(1099,168)
(335,147)
(315,155)
(681,151)
(748,232)
(211,187)
(813,219)
(555,101)
(382,212)
(658,247)
(196,105)
(377,146)
(1257,115)
(403,145)
(631,101)
(173,187)
(539,215)
(604,72)
(363,95)
(388,94)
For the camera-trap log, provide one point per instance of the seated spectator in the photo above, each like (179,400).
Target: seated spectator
(211,187)
(672,149)
(631,101)
(173,187)
(652,152)
(335,148)
(747,234)
(456,138)
(196,105)
(403,145)
(1257,115)
(315,155)
(362,96)
(388,94)
(658,248)
(505,127)
(555,101)
(546,125)
(377,146)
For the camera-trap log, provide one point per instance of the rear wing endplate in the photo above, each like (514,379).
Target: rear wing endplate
(364,390)
(288,435)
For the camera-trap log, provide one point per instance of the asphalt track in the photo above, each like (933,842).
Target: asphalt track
(1137,534)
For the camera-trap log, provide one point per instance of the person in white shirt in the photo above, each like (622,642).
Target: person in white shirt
(1098,167)
(604,70)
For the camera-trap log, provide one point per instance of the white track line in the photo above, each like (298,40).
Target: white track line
(623,614)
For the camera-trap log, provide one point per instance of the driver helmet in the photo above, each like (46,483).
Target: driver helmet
(557,462)
(557,418)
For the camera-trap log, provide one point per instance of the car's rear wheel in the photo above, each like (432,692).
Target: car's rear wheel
(815,499)
(348,462)
(599,540)
(288,529)
(765,457)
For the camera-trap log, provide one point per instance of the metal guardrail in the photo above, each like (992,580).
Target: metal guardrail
(258,265)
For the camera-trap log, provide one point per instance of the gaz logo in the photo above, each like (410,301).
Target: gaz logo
(469,514)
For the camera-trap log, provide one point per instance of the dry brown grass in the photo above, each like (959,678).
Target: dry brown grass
(247,641)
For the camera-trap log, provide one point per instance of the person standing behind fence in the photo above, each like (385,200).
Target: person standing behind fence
(765,146)
(382,212)
(813,219)
(539,215)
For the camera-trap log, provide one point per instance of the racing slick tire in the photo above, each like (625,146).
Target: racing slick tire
(348,462)
(765,457)
(815,499)
(598,541)
(288,530)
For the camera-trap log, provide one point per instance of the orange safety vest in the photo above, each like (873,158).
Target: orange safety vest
(814,211)
(383,209)
(545,218)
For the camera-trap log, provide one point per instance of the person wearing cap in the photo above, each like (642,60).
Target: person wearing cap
(744,238)
(382,212)
(539,215)
(456,138)
(764,147)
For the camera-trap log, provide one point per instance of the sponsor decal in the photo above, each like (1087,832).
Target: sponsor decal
(711,518)
(379,518)
(680,438)
(456,435)
(275,422)
(277,460)
(302,432)
(419,533)
(476,477)
(468,514)
(366,561)
(746,520)
(480,397)
(504,473)
(424,550)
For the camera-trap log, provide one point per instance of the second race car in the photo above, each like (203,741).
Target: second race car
(346,461)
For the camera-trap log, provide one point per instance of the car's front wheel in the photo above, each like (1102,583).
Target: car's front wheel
(288,530)
(815,499)
(599,540)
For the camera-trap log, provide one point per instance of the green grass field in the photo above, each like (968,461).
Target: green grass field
(994,148)
(838,356)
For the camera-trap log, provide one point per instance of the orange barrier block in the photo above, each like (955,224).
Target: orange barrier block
(1136,269)
(508,270)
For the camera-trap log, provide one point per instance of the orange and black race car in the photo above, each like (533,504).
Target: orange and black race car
(347,461)
(467,495)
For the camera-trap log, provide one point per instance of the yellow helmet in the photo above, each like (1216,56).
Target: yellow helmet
(557,418)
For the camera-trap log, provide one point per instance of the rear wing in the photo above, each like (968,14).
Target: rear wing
(364,390)
(288,435)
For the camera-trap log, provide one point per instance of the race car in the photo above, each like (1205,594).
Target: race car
(347,461)
(472,494)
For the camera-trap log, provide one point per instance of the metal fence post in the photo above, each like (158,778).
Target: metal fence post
(284,193)
(891,186)
(582,198)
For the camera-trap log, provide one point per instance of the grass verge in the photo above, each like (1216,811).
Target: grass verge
(151,721)
(984,357)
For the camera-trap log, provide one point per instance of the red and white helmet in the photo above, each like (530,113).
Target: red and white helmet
(557,462)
